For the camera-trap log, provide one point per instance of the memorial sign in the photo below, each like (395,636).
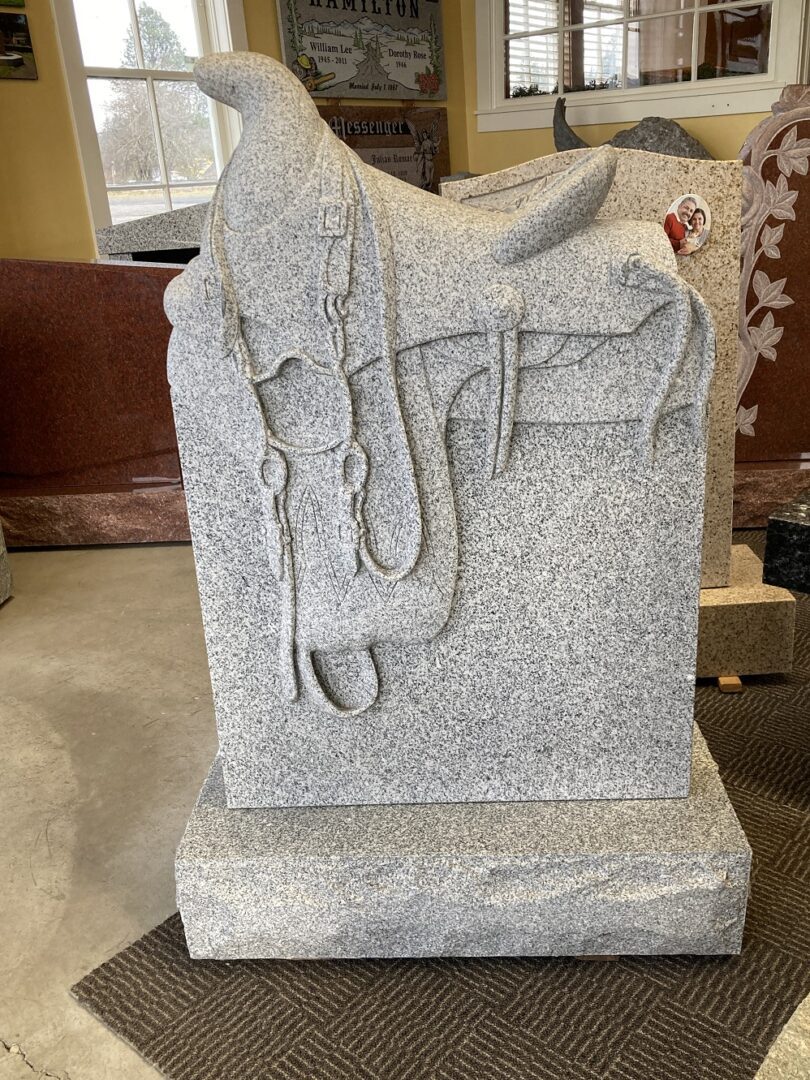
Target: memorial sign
(409,143)
(364,48)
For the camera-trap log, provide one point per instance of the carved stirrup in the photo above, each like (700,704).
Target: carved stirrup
(320,695)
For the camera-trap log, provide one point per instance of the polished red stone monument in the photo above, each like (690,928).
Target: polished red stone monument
(773,414)
(88,453)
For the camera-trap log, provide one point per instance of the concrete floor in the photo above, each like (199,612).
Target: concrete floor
(789,1057)
(108,731)
(107,718)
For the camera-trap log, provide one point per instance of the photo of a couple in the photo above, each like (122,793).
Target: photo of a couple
(688,224)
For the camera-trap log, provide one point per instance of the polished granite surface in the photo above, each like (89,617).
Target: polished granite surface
(787,552)
(87,424)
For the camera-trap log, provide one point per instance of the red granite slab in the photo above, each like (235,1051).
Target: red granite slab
(87,413)
(774,406)
(760,487)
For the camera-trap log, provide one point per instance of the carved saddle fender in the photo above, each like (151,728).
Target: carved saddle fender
(345,356)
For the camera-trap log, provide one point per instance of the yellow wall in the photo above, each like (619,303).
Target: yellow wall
(722,136)
(43,209)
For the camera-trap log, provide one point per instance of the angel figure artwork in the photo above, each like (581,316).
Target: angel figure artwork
(426,143)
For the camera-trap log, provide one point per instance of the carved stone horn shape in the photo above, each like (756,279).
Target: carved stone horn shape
(281,136)
(561,208)
(565,138)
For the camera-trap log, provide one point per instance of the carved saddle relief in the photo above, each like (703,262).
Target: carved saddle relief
(354,399)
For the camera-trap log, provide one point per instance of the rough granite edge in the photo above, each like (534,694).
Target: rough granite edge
(636,876)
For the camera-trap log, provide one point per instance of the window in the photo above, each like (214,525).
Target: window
(150,139)
(613,57)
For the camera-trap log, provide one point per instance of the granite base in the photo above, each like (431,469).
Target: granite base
(761,488)
(466,879)
(747,627)
(150,516)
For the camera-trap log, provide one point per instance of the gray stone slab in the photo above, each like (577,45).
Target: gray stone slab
(444,468)
(509,879)
(787,550)
(173,229)
(654,134)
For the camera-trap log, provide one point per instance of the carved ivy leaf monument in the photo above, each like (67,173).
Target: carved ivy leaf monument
(766,207)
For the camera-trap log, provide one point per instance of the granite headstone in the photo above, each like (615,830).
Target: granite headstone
(644,185)
(773,418)
(445,474)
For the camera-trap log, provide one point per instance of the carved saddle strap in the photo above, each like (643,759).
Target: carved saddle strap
(376,216)
(499,314)
(337,220)
(272,463)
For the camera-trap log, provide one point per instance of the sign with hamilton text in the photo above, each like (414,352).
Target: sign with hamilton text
(365,48)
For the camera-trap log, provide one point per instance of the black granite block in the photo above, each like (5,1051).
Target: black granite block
(787,551)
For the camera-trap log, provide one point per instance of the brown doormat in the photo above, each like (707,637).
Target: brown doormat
(661,1018)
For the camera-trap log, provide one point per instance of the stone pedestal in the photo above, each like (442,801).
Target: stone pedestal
(466,879)
(747,627)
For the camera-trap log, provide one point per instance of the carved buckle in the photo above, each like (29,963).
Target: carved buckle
(333,219)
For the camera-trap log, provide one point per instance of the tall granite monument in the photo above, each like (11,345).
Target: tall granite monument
(444,469)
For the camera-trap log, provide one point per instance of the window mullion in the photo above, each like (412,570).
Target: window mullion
(695,42)
(201,27)
(164,173)
(560,48)
(136,73)
(136,33)
(217,119)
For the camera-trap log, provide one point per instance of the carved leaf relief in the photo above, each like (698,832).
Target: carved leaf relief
(769,293)
(746,418)
(771,237)
(764,200)
(792,154)
(765,336)
(779,199)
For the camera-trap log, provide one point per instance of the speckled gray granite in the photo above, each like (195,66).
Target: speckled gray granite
(5,571)
(444,470)
(643,188)
(181,228)
(787,550)
(481,879)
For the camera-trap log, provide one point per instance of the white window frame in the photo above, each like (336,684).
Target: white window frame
(221,25)
(704,97)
